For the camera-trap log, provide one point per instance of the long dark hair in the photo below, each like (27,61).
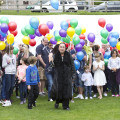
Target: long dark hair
(112,52)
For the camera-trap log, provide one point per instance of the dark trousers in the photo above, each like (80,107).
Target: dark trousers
(88,89)
(23,90)
(65,103)
(9,85)
(33,95)
(114,85)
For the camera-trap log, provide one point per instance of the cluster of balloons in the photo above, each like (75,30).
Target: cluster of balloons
(8,30)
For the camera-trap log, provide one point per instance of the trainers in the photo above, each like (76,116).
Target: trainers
(7,103)
(81,97)
(91,97)
(113,95)
(34,104)
(24,100)
(72,101)
(94,95)
(21,102)
(117,95)
(41,94)
(56,106)
(78,96)
(86,98)
(17,97)
(50,100)
(105,94)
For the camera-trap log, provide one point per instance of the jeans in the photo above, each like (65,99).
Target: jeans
(9,84)
(23,90)
(3,94)
(0,87)
(88,89)
(49,77)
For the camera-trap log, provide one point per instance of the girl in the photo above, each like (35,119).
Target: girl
(113,65)
(99,76)
(21,73)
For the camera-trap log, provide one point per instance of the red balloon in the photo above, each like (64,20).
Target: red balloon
(14,32)
(43,29)
(102,22)
(82,36)
(112,48)
(32,42)
(12,26)
(102,51)
(68,21)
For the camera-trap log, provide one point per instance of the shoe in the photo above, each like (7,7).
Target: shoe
(72,101)
(86,98)
(44,93)
(78,96)
(66,109)
(94,95)
(41,94)
(105,94)
(117,95)
(17,97)
(113,95)
(81,97)
(56,105)
(21,102)
(24,100)
(7,103)
(91,98)
(1,101)
(29,106)
(50,100)
(34,104)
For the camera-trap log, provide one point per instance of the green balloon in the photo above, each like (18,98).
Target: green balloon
(76,40)
(104,41)
(4,20)
(106,62)
(74,23)
(24,32)
(15,50)
(57,37)
(29,30)
(67,39)
(104,33)
(78,30)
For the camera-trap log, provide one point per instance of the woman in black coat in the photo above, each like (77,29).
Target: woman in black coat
(64,73)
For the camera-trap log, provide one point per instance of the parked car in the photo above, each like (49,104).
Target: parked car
(81,5)
(70,6)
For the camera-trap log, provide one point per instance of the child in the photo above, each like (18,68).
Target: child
(88,82)
(99,76)
(21,74)
(32,80)
(113,65)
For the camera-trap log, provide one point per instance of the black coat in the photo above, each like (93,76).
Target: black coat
(64,72)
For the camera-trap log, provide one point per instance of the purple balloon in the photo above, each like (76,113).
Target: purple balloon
(109,27)
(109,37)
(50,25)
(37,33)
(82,42)
(53,41)
(4,27)
(91,37)
(63,33)
(78,47)
(32,36)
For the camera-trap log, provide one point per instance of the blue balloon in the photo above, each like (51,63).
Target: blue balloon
(113,42)
(114,35)
(64,25)
(77,64)
(107,55)
(56,32)
(34,22)
(54,4)
(80,55)
(2,34)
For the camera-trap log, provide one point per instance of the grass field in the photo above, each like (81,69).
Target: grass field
(106,109)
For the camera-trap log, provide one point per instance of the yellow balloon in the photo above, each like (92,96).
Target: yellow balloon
(38,19)
(83,30)
(59,42)
(2,45)
(49,36)
(118,46)
(70,31)
(10,39)
(26,40)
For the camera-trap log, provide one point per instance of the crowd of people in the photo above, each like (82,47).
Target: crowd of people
(53,68)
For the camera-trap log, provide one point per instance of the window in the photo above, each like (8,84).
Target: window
(25,2)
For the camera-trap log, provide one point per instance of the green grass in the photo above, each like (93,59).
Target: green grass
(27,12)
(106,109)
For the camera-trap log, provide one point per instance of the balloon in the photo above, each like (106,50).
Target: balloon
(43,29)
(32,42)
(78,47)
(111,48)
(37,33)
(113,42)
(4,20)
(15,51)
(76,40)
(50,25)
(104,41)
(32,36)
(70,31)
(109,27)
(2,45)
(82,36)
(53,41)
(54,4)
(77,64)
(59,42)
(2,34)
(107,55)
(67,39)
(101,22)
(106,62)
(29,30)
(62,33)
(91,37)
(114,35)
(24,32)
(4,27)
(74,23)
(12,26)
(57,37)
(56,32)
(80,55)
(10,39)
(26,40)
(104,33)
(118,46)
(34,22)
(102,51)
(49,36)
(83,30)
(78,30)
(68,21)
(82,42)
(14,32)
(109,37)
(64,25)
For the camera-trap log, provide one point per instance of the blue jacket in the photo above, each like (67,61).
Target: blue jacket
(32,75)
